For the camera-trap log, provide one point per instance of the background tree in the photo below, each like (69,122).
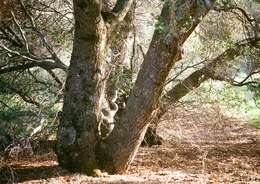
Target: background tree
(31,68)
(240,60)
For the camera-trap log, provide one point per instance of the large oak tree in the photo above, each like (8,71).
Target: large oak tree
(79,146)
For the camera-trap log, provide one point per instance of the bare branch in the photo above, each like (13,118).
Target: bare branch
(46,44)
(195,79)
(17,53)
(24,96)
(13,38)
(245,80)
(45,65)
(56,78)
(119,11)
(21,32)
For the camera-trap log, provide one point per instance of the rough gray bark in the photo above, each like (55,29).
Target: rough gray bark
(117,152)
(78,136)
(79,147)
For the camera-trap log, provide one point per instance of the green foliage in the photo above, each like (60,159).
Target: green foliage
(227,3)
(12,120)
(57,37)
(166,3)
(122,77)
(255,118)
(19,117)
(257,1)
(241,100)
(160,24)
(256,89)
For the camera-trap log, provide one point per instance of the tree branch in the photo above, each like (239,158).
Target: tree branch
(195,79)
(162,54)
(119,11)
(24,96)
(21,32)
(46,65)
(46,44)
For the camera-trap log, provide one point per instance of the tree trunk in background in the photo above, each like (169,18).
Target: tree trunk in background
(194,80)
(151,137)
(118,150)
(209,71)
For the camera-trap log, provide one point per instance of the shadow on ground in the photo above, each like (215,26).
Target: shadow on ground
(21,174)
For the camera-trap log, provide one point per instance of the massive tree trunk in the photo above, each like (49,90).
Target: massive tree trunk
(118,150)
(79,147)
(78,130)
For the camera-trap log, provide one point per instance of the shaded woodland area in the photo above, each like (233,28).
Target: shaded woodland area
(129,91)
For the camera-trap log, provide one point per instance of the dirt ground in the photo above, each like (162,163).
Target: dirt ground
(201,145)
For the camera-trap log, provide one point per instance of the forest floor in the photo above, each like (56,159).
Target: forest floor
(201,145)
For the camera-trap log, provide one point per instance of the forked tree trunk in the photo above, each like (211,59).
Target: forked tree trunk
(117,152)
(78,136)
(79,147)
